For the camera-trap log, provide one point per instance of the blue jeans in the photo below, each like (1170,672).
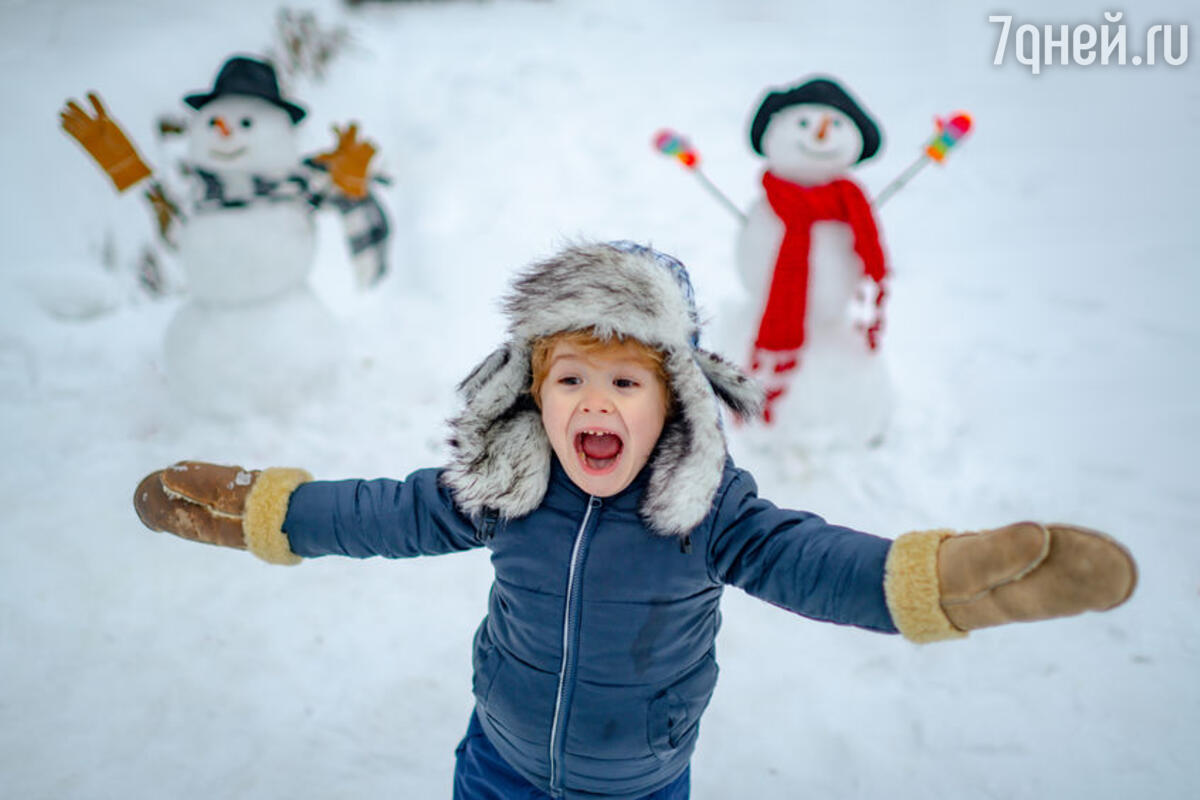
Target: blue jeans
(481,774)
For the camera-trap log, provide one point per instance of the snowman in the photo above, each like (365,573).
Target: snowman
(251,335)
(810,259)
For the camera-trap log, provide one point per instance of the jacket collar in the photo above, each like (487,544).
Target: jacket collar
(561,486)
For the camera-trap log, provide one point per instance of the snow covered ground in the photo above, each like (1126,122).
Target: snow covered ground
(1042,335)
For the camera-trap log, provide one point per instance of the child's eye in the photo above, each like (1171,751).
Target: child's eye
(625,383)
(569,380)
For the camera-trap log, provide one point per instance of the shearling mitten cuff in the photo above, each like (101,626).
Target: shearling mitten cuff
(912,588)
(266,508)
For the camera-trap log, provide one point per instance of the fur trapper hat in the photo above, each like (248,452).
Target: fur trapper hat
(501,455)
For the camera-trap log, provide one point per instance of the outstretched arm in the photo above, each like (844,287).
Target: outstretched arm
(282,515)
(927,585)
(798,561)
(382,517)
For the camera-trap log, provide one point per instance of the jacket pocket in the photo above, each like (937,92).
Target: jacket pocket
(673,715)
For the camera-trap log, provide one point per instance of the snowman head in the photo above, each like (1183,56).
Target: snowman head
(813,132)
(244,123)
(811,143)
(244,134)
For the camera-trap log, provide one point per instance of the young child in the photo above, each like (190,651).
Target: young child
(590,459)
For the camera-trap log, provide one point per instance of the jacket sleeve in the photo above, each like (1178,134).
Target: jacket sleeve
(797,560)
(389,518)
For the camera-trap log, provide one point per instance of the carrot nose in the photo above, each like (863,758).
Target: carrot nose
(220,124)
(823,129)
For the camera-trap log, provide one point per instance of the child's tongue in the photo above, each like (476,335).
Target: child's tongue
(600,446)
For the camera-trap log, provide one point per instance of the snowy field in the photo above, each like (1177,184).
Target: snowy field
(1042,337)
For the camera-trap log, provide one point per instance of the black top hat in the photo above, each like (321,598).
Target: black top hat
(240,75)
(824,92)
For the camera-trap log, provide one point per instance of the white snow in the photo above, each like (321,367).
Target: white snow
(1042,337)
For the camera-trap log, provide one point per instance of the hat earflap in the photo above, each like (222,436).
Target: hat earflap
(688,463)
(733,387)
(500,453)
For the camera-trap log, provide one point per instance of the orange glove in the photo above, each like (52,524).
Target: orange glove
(103,138)
(348,161)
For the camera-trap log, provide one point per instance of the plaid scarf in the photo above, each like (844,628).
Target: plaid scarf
(363,219)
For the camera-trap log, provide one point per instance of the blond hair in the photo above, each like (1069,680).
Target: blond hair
(588,342)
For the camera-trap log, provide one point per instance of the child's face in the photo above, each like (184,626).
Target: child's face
(603,412)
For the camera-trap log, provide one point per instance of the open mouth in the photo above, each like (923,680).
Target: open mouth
(232,154)
(598,450)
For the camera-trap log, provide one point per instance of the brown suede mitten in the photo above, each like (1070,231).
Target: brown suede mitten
(940,585)
(104,140)
(221,505)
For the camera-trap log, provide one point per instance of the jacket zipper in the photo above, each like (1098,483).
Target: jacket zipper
(566,672)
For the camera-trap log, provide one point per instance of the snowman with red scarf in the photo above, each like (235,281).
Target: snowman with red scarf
(811,258)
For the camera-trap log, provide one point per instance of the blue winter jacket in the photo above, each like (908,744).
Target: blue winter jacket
(596,658)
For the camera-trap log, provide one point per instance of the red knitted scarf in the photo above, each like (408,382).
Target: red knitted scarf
(782,326)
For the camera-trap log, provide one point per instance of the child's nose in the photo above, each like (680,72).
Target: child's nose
(597,402)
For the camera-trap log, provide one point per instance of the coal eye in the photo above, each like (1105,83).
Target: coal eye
(247,122)
(212,122)
(804,123)
(837,123)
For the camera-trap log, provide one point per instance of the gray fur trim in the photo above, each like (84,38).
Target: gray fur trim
(690,459)
(736,389)
(600,287)
(501,455)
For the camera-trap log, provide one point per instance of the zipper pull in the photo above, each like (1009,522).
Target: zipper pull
(486,527)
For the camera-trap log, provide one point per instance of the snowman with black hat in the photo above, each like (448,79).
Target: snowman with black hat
(810,257)
(251,335)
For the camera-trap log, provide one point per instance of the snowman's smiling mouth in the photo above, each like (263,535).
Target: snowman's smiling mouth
(832,153)
(232,154)
(598,450)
